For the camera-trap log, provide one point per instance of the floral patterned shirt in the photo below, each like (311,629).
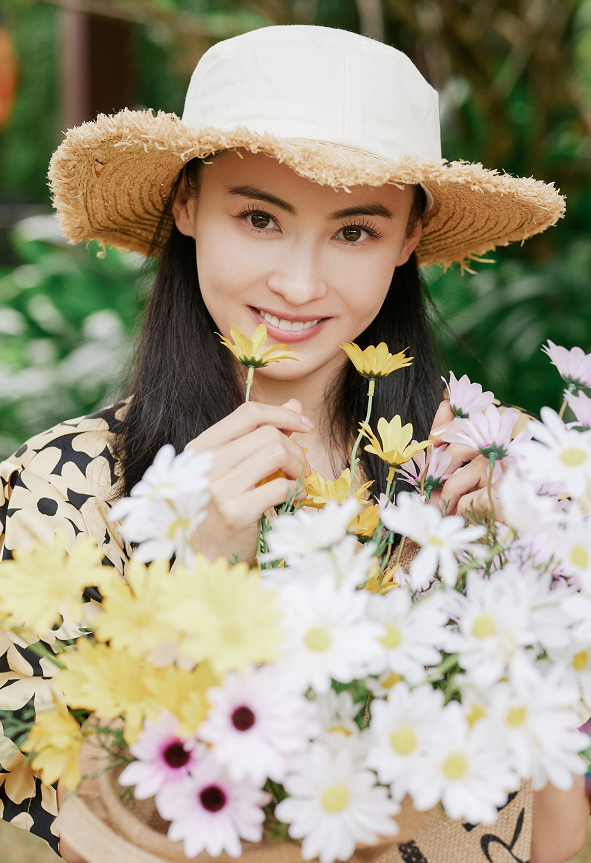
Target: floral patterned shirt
(60,480)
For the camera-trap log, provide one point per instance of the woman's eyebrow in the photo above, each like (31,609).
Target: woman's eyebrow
(362,210)
(259,195)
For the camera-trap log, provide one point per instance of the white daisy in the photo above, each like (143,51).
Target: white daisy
(493,625)
(538,718)
(440,537)
(166,506)
(210,813)
(327,635)
(523,508)
(256,724)
(557,455)
(346,562)
(334,804)
(307,531)
(336,712)
(468,770)
(403,731)
(414,632)
(572,547)
(466,398)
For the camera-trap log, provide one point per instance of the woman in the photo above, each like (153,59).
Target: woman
(301,190)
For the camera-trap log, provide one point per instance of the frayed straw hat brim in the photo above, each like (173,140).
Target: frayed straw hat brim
(111,180)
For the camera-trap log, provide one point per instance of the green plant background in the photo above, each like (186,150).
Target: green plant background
(515,95)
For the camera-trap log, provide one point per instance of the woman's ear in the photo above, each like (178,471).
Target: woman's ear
(183,210)
(410,244)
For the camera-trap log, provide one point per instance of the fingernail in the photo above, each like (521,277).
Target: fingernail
(307,422)
(439,430)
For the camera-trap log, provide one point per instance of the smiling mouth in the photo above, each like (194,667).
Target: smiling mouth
(287,326)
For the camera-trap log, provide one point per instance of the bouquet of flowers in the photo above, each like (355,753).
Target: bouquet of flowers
(377,649)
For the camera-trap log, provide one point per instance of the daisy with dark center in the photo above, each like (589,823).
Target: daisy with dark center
(162,757)
(256,725)
(211,813)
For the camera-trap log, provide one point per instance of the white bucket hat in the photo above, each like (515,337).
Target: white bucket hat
(339,109)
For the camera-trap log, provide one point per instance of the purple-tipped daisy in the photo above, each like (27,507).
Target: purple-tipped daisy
(162,757)
(574,366)
(466,398)
(581,407)
(491,433)
(428,468)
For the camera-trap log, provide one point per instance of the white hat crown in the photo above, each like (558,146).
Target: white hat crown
(317,84)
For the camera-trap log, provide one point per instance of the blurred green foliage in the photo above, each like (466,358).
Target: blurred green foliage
(67,318)
(514,78)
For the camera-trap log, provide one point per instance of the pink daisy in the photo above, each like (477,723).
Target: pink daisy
(490,433)
(163,757)
(581,407)
(466,398)
(574,366)
(429,465)
(210,813)
(257,725)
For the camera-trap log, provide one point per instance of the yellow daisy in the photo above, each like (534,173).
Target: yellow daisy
(55,741)
(322,491)
(249,351)
(376,362)
(367,521)
(38,586)
(183,693)
(383,582)
(396,447)
(109,682)
(228,618)
(132,611)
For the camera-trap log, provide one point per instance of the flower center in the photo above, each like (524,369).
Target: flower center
(393,638)
(436,541)
(212,798)
(339,729)
(516,716)
(318,639)
(581,660)
(477,712)
(484,626)
(390,680)
(233,634)
(455,766)
(178,524)
(573,456)
(579,556)
(243,718)
(403,740)
(335,799)
(176,755)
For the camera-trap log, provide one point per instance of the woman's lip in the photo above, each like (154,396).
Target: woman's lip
(288,335)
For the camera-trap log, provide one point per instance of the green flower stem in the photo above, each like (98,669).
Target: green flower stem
(370,394)
(491,466)
(391,480)
(249,380)
(571,388)
(43,652)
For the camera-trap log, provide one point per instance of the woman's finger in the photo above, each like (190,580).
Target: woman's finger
(258,465)
(460,455)
(266,441)
(470,478)
(478,501)
(247,418)
(441,420)
(243,512)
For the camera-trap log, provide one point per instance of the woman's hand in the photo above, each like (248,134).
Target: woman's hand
(249,445)
(466,489)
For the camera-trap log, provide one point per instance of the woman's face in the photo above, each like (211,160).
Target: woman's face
(311,263)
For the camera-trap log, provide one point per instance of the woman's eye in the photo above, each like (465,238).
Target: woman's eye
(261,220)
(352,234)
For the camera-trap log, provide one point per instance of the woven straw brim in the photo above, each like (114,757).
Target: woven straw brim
(111,180)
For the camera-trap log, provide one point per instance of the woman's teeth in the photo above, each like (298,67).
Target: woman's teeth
(288,326)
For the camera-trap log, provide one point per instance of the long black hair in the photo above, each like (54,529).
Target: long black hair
(184,380)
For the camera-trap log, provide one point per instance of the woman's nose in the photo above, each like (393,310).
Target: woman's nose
(298,279)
